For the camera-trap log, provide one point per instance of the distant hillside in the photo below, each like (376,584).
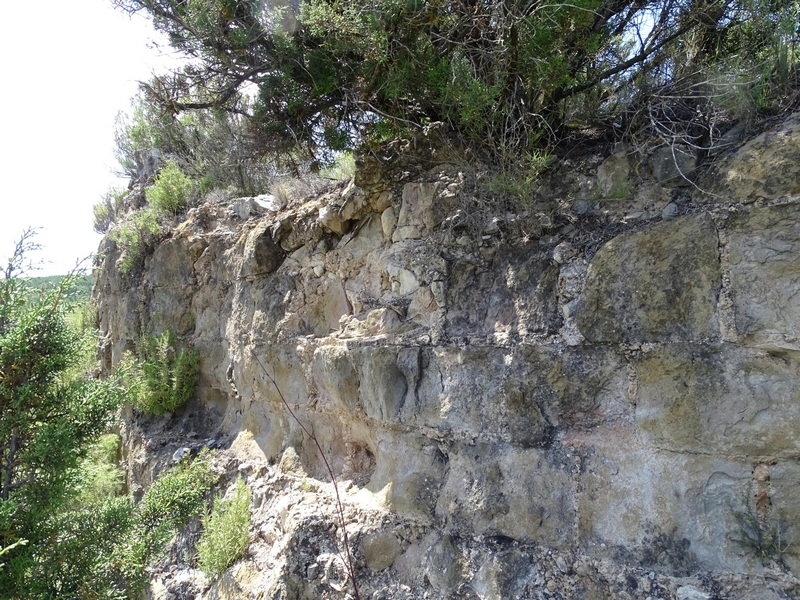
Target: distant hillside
(83,284)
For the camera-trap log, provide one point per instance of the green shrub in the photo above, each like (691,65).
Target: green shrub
(82,320)
(135,237)
(83,317)
(79,564)
(141,129)
(175,497)
(206,184)
(170,192)
(213,145)
(518,181)
(225,537)
(109,210)
(767,541)
(342,169)
(166,379)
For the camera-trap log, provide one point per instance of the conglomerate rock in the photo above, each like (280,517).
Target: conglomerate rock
(509,413)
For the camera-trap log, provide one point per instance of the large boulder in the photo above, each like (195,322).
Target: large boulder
(768,167)
(656,285)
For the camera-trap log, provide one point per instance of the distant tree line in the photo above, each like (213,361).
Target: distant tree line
(80,285)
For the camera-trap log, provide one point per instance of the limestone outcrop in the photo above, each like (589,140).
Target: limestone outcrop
(515,410)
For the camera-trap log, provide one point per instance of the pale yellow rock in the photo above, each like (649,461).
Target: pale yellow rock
(765,167)
(719,399)
(330,217)
(482,445)
(763,250)
(612,174)
(290,463)
(656,285)
(416,216)
(388,221)
(383,201)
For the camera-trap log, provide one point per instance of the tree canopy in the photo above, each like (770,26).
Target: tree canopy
(321,75)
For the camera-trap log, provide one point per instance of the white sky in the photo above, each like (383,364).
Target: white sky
(68,67)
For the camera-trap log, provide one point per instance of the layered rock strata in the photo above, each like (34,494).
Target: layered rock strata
(510,413)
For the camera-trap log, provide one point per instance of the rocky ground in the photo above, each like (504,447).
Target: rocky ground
(296,548)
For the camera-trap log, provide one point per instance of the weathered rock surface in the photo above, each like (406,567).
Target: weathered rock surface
(673,165)
(764,168)
(656,285)
(507,417)
(612,174)
(764,258)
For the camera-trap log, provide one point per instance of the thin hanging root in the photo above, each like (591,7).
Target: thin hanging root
(351,572)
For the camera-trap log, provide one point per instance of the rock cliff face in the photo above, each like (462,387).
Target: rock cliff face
(585,402)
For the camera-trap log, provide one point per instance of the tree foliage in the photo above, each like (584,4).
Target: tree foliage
(66,529)
(214,146)
(48,416)
(328,74)
(108,211)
